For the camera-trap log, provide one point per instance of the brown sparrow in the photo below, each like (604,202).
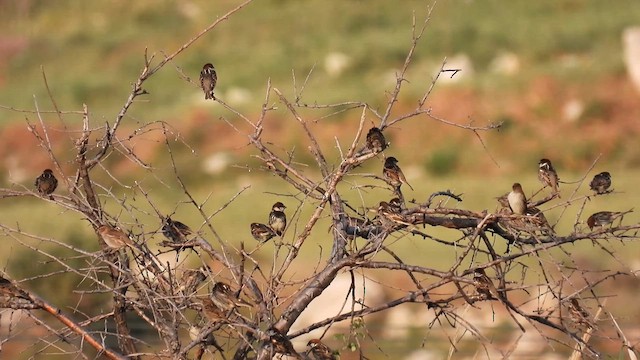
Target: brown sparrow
(393,174)
(602,218)
(601,183)
(46,183)
(517,200)
(375,140)
(208,80)
(223,297)
(320,351)
(484,285)
(191,279)
(175,231)
(261,232)
(548,175)
(277,218)
(114,238)
(281,344)
(211,311)
(578,315)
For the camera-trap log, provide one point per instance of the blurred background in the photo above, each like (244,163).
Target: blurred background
(559,75)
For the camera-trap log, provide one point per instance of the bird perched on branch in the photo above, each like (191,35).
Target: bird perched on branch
(175,231)
(277,218)
(212,312)
(601,183)
(280,343)
(578,315)
(114,238)
(603,218)
(393,174)
(375,140)
(46,183)
(517,200)
(321,351)
(548,175)
(223,297)
(262,232)
(208,80)
(191,279)
(484,285)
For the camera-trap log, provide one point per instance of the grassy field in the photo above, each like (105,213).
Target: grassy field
(92,51)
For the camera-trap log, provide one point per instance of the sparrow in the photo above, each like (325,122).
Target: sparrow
(602,218)
(517,200)
(211,311)
(113,237)
(320,351)
(46,183)
(223,297)
(191,279)
(375,140)
(277,218)
(601,183)
(390,216)
(578,315)
(393,174)
(175,231)
(396,205)
(208,80)
(261,232)
(484,285)
(280,344)
(548,175)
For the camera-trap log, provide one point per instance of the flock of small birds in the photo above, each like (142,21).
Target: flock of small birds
(223,301)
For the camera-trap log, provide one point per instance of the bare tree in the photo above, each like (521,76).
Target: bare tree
(236,307)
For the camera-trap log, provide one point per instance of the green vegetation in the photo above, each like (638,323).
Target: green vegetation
(91,51)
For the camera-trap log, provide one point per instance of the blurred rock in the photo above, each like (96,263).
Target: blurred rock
(423,354)
(506,63)
(572,110)
(336,63)
(631,53)
(238,96)
(216,163)
(330,303)
(460,62)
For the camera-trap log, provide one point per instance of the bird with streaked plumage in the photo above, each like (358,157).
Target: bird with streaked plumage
(375,140)
(601,183)
(46,183)
(548,175)
(392,173)
(277,218)
(208,80)
(262,232)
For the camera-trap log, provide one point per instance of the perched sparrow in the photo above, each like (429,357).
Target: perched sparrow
(389,215)
(281,344)
(396,205)
(393,174)
(548,175)
(46,183)
(262,232)
(601,183)
(602,218)
(517,200)
(277,218)
(194,334)
(114,238)
(539,215)
(578,315)
(175,230)
(212,312)
(354,227)
(320,351)
(223,297)
(484,285)
(208,80)
(375,140)
(191,279)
